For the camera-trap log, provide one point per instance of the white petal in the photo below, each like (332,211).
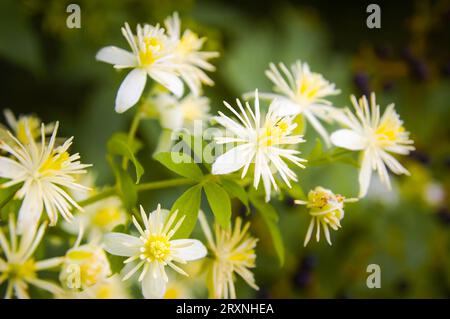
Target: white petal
(188,249)
(232,160)
(30,212)
(130,90)
(122,244)
(169,80)
(284,107)
(116,56)
(9,168)
(153,287)
(348,139)
(365,174)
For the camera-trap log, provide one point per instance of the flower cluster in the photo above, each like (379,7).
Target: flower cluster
(253,143)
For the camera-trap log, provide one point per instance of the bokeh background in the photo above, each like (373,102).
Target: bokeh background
(50,70)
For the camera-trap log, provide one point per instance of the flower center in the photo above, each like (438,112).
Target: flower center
(27,123)
(188,42)
(191,112)
(388,131)
(273,133)
(54,162)
(106,216)
(157,248)
(150,50)
(309,86)
(22,270)
(92,266)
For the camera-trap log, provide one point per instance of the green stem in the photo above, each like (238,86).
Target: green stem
(131,134)
(328,157)
(140,188)
(165,184)
(95,198)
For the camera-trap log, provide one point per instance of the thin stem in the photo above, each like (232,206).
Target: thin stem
(165,184)
(97,197)
(328,157)
(140,188)
(131,134)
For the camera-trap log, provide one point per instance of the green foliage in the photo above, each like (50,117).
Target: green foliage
(126,188)
(270,218)
(235,190)
(219,201)
(182,165)
(119,144)
(187,205)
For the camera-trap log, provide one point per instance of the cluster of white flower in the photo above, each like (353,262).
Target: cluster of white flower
(47,178)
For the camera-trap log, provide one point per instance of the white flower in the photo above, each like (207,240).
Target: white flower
(154,249)
(301,91)
(46,172)
(98,218)
(90,263)
(151,55)
(19,268)
(259,140)
(376,136)
(188,113)
(189,59)
(326,210)
(234,253)
(19,126)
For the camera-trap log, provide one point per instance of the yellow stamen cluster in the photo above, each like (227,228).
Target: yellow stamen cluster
(156,248)
(28,123)
(21,270)
(54,162)
(272,133)
(389,130)
(150,51)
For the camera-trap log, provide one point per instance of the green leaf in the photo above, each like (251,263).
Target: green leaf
(126,188)
(199,147)
(180,163)
(270,218)
(219,201)
(187,205)
(235,190)
(118,144)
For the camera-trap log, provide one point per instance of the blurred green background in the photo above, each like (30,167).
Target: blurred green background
(50,70)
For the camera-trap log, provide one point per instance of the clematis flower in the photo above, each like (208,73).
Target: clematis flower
(185,113)
(259,140)
(233,254)
(154,249)
(301,91)
(326,210)
(45,172)
(151,55)
(189,59)
(18,267)
(376,136)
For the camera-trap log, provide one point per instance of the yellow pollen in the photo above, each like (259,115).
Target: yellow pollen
(54,162)
(105,216)
(388,131)
(149,54)
(188,42)
(157,248)
(30,122)
(22,270)
(273,133)
(310,85)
